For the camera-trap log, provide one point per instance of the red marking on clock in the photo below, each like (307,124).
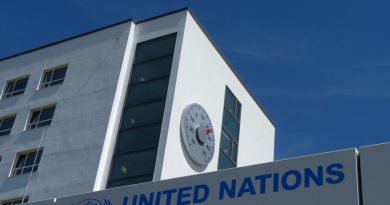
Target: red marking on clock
(209,130)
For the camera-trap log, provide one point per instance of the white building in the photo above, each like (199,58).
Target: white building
(104,109)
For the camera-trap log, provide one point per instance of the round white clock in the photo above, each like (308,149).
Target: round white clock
(197,134)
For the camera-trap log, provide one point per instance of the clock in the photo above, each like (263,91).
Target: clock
(197,134)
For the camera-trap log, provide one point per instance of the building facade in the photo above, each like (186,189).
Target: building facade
(105,109)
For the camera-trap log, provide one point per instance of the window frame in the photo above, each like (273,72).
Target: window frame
(28,124)
(53,69)
(3,93)
(17,157)
(4,118)
(24,200)
(234,140)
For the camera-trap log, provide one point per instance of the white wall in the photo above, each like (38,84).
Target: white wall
(202,76)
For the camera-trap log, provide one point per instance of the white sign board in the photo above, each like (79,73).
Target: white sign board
(375,171)
(323,179)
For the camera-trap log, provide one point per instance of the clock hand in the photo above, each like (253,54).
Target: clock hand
(209,130)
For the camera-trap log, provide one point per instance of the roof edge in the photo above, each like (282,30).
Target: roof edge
(66,39)
(162,15)
(93,31)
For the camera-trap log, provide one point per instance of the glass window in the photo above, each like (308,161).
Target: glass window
(147,92)
(155,48)
(230,101)
(143,115)
(134,164)
(15,201)
(131,180)
(27,162)
(41,117)
(151,69)
(226,144)
(230,124)
(6,125)
(139,133)
(15,87)
(53,77)
(230,131)
(145,137)
(224,161)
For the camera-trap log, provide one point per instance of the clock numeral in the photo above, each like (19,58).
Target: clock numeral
(208,147)
(196,114)
(204,153)
(193,141)
(191,129)
(192,119)
(202,116)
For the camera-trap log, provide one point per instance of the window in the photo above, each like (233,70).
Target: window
(6,124)
(138,137)
(15,87)
(228,148)
(41,117)
(53,76)
(27,162)
(16,201)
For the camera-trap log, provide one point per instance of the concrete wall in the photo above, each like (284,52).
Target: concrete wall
(201,77)
(73,142)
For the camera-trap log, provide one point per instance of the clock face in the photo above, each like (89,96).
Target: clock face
(197,134)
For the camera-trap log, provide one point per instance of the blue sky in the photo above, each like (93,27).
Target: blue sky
(320,69)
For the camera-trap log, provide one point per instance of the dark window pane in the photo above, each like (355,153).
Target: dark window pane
(234,152)
(27,170)
(226,144)
(238,111)
(27,163)
(39,157)
(30,159)
(21,84)
(128,181)
(155,48)
(18,172)
(44,123)
(47,114)
(231,125)
(7,123)
(35,117)
(138,138)
(151,69)
(134,164)
(59,74)
(230,101)
(10,87)
(21,160)
(224,162)
(143,114)
(56,82)
(47,77)
(146,92)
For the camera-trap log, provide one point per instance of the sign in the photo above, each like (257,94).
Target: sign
(323,179)
(375,170)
